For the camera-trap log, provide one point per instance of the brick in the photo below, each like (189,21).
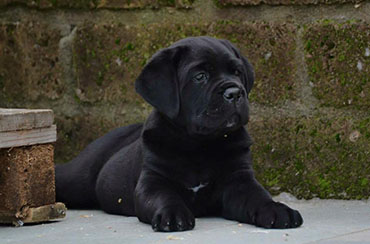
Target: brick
(119,4)
(323,155)
(280,2)
(93,4)
(30,67)
(337,57)
(106,63)
(27,177)
(84,4)
(47,4)
(108,58)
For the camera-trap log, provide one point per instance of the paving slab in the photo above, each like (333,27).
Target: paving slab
(325,221)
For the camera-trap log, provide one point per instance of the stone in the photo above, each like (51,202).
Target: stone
(281,2)
(335,52)
(93,4)
(30,67)
(119,4)
(323,155)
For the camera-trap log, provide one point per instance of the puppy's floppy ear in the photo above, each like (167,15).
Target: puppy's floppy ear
(158,82)
(248,74)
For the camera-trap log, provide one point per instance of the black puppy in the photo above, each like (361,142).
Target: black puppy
(191,157)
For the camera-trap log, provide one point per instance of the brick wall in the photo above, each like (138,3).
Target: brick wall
(310,104)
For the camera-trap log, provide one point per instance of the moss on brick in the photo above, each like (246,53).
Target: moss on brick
(106,63)
(324,156)
(30,68)
(46,4)
(226,3)
(338,61)
(93,4)
(139,4)
(70,3)
(129,4)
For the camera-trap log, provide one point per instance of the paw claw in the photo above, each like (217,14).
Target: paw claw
(155,227)
(277,215)
(173,219)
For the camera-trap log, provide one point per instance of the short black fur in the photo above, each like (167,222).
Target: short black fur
(191,158)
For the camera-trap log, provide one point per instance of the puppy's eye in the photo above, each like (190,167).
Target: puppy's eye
(200,77)
(237,72)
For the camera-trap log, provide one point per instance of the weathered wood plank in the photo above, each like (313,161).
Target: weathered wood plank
(28,137)
(25,119)
(35,215)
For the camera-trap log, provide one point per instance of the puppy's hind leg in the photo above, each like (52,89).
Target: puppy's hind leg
(75,181)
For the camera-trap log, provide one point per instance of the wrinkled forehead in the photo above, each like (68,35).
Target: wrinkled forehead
(204,47)
(204,51)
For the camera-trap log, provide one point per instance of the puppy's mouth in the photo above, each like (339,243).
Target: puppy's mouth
(232,121)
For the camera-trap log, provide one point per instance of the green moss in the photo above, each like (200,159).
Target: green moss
(93,4)
(53,2)
(337,65)
(313,156)
(79,4)
(167,2)
(24,67)
(246,3)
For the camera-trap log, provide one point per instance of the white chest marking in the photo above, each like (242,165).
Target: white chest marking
(196,188)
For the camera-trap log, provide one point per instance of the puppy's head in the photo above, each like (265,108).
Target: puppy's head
(200,83)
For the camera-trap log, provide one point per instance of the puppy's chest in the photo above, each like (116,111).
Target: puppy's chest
(197,182)
(200,176)
(199,193)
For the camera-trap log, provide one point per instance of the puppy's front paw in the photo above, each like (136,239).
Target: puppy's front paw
(175,218)
(278,216)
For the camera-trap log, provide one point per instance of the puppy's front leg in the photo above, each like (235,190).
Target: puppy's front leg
(245,200)
(157,203)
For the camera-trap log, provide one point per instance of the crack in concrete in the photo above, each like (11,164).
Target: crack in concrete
(338,236)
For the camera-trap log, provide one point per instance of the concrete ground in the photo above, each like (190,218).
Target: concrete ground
(325,221)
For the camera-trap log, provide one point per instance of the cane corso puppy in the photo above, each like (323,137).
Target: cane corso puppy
(191,157)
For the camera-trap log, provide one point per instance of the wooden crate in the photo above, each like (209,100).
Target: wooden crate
(27,180)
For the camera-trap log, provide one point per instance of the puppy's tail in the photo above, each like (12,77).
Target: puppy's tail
(75,181)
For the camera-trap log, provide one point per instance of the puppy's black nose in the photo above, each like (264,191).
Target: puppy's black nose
(232,94)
